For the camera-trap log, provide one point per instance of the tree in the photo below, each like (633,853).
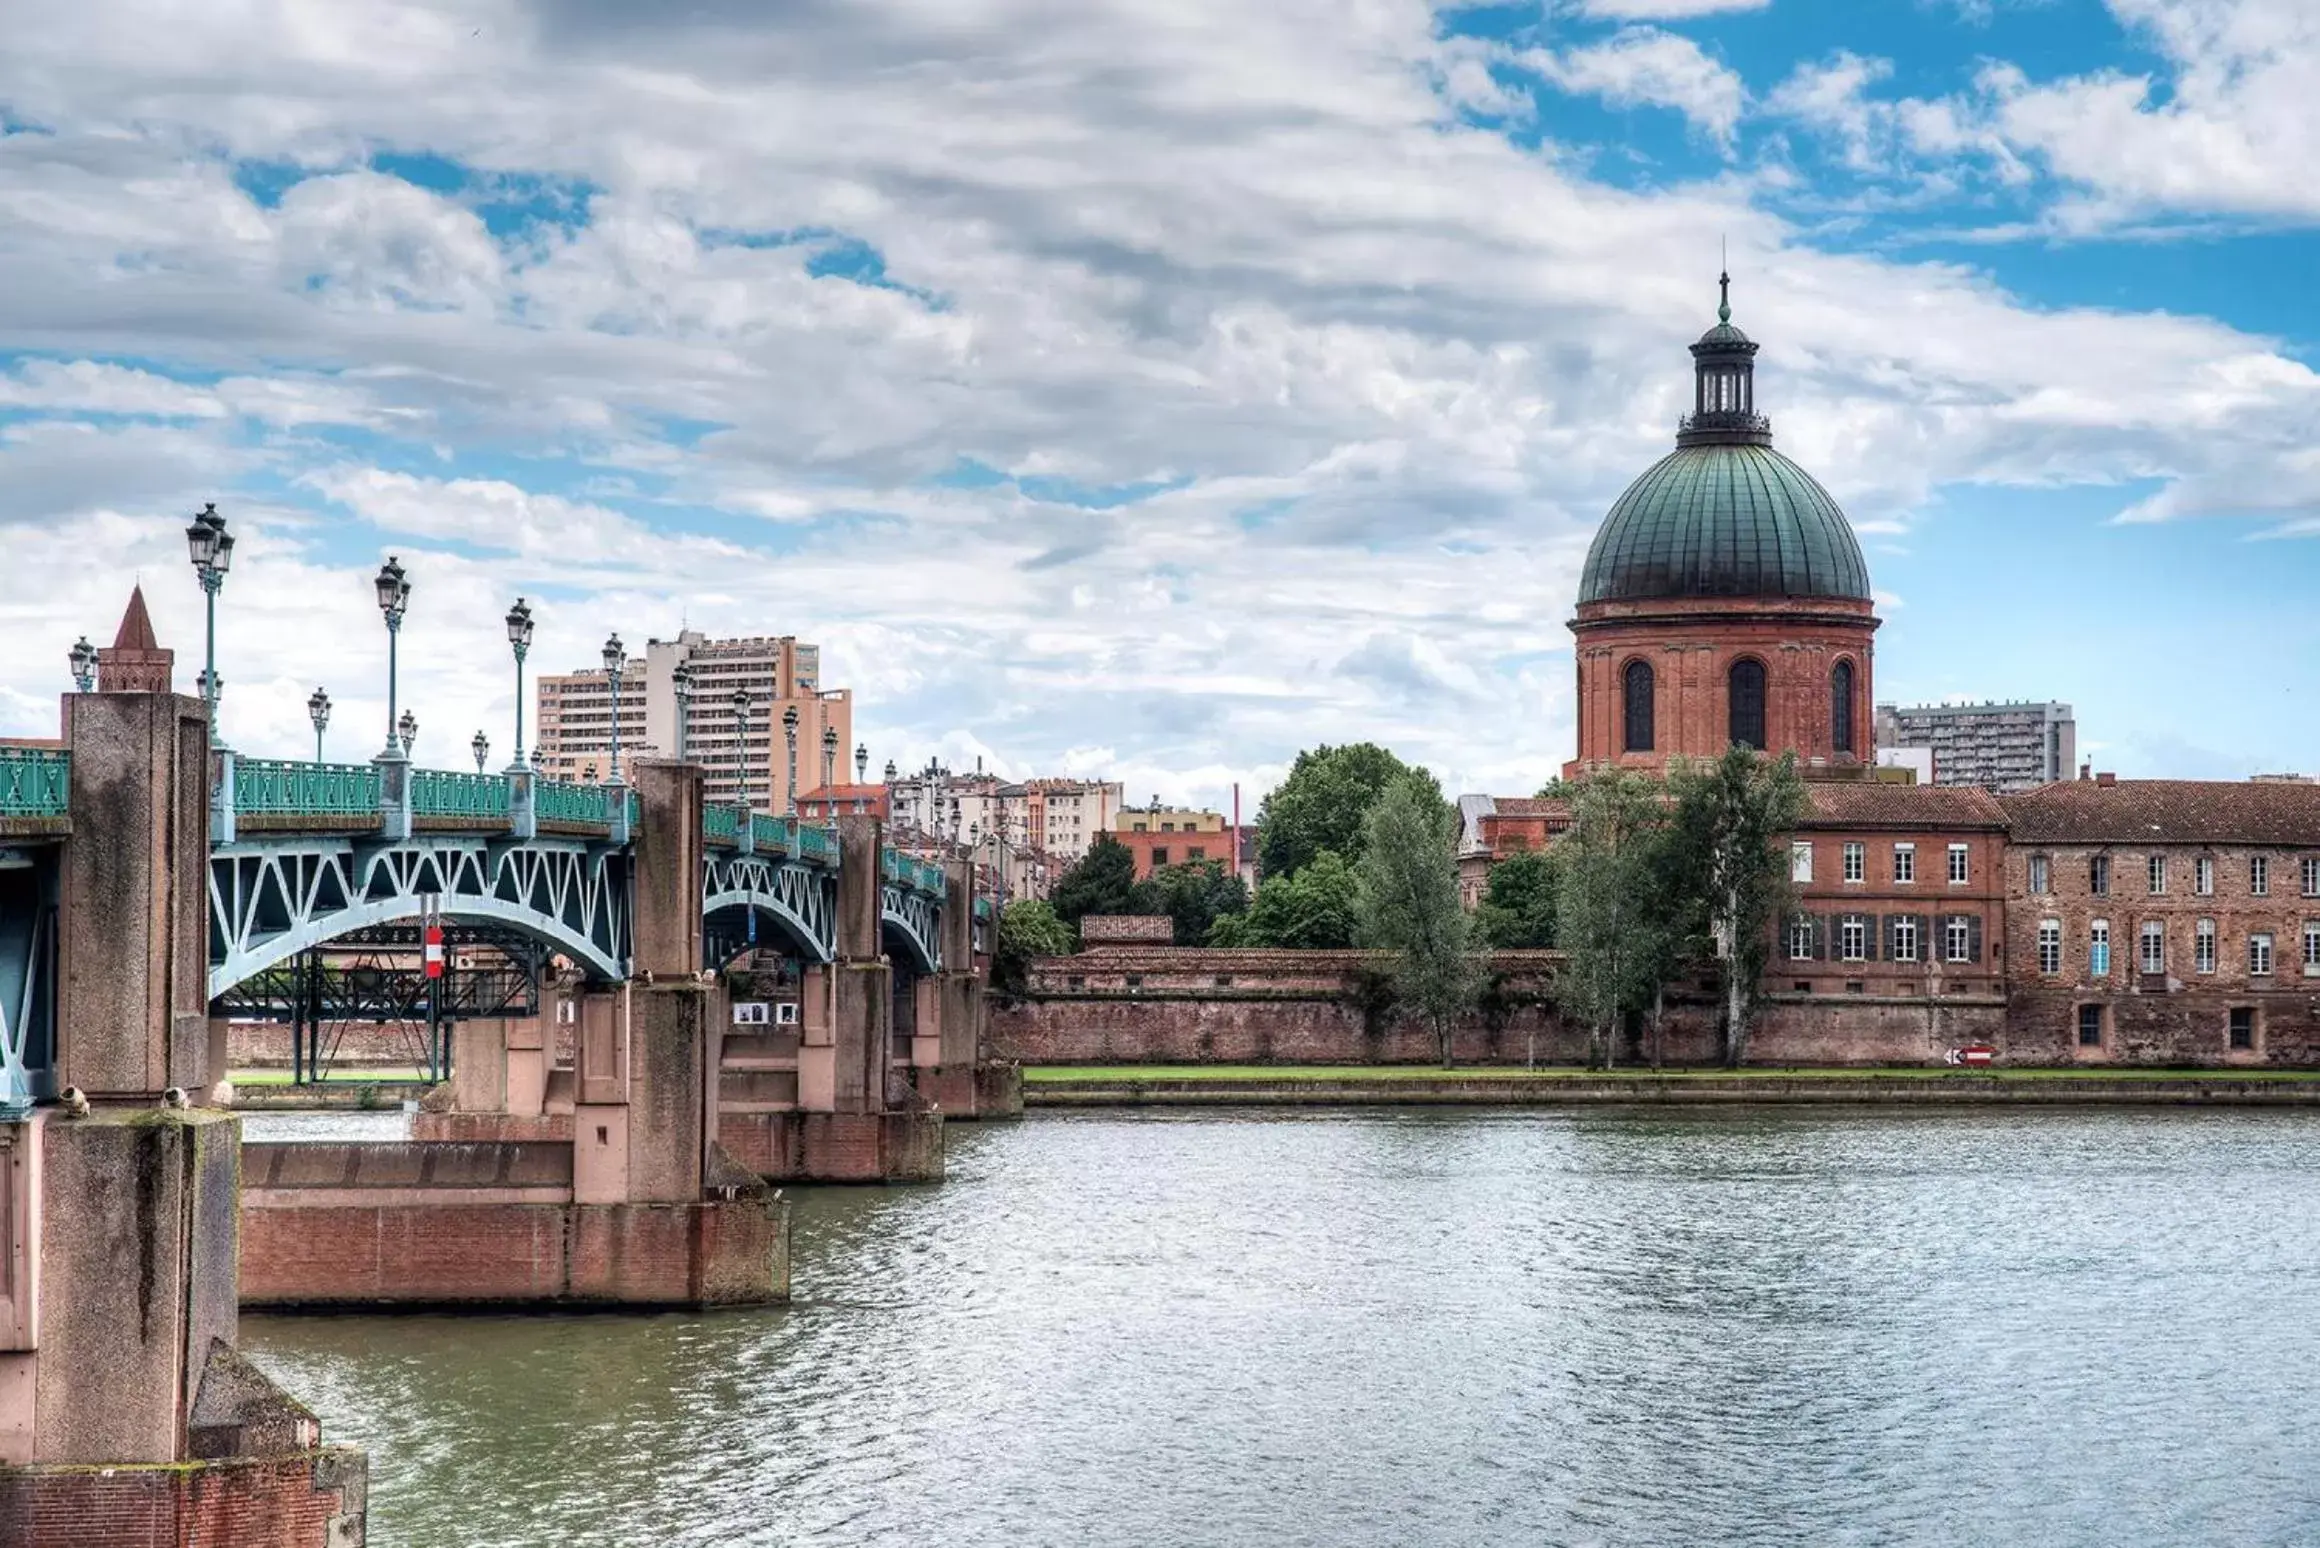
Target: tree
(1028,929)
(1518,908)
(1618,826)
(1321,804)
(1732,818)
(1407,907)
(1195,895)
(1310,911)
(1103,882)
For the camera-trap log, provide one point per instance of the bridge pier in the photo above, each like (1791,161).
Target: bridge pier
(125,1413)
(947,1068)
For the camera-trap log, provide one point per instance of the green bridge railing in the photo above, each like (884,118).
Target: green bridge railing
(275,787)
(35,782)
(556,800)
(442,793)
(912,872)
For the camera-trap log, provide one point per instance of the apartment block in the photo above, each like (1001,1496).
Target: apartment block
(2000,747)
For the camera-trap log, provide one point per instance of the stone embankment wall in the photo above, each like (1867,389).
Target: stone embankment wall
(1194,1005)
(300,1500)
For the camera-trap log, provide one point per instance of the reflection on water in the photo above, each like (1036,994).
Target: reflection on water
(1412,1327)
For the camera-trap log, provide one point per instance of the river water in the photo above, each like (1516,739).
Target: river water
(1630,1327)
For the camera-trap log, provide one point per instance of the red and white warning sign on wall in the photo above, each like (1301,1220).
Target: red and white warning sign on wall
(433,951)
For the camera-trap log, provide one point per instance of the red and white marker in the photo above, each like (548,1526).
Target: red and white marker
(434,951)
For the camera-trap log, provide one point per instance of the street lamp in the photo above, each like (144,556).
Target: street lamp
(212,687)
(741,744)
(789,720)
(84,665)
(861,763)
(409,727)
(829,755)
(519,632)
(318,711)
(481,747)
(615,658)
(681,684)
(394,598)
(212,549)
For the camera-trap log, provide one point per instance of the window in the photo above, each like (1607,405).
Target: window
(1636,697)
(2050,946)
(1159,856)
(2154,947)
(1957,864)
(1800,861)
(1957,938)
(1904,937)
(2260,875)
(1853,938)
(2311,870)
(1841,707)
(2039,876)
(2203,946)
(1197,852)
(1904,864)
(2312,948)
(2203,876)
(2243,1026)
(1856,862)
(2156,868)
(2098,876)
(2090,1026)
(1800,938)
(1745,703)
(2260,954)
(2098,948)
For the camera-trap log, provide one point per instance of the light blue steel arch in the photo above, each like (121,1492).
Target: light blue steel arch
(270,899)
(798,898)
(914,918)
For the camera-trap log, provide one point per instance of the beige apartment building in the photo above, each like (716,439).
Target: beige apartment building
(740,744)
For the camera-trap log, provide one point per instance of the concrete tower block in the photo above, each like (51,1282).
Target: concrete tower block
(133,989)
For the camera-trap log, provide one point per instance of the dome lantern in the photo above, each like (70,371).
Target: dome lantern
(1724,387)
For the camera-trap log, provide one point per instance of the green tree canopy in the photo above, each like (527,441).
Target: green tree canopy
(1604,903)
(1321,804)
(1195,895)
(1028,929)
(1518,908)
(1406,904)
(1310,911)
(1103,882)
(1731,820)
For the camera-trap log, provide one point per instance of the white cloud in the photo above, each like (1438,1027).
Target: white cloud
(1833,96)
(1664,10)
(1646,67)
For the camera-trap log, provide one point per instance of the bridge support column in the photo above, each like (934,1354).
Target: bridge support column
(958,1079)
(122,1401)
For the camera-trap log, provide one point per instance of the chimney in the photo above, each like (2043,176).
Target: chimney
(2106,779)
(2086,769)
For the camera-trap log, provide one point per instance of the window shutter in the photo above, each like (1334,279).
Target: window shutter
(1973,937)
(1928,939)
(1876,935)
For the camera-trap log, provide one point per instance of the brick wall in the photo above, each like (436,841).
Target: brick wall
(270,1502)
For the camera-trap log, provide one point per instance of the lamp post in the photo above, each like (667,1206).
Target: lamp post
(789,720)
(519,633)
(829,755)
(741,745)
(212,549)
(83,656)
(318,711)
(861,763)
(408,726)
(481,747)
(394,591)
(681,685)
(615,659)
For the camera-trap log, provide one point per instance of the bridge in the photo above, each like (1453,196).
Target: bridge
(608,1134)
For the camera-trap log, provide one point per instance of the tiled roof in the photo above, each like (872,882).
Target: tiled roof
(2176,811)
(1530,806)
(136,632)
(1870,803)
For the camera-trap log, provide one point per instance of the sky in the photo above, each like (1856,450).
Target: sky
(1153,388)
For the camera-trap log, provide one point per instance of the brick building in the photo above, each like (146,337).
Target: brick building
(2165,920)
(1159,836)
(1901,890)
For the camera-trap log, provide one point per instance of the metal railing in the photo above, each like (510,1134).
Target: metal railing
(35,782)
(275,787)
(910,871)
(770,834)
(445,793)
(819,844)
(721,823)
(556,800)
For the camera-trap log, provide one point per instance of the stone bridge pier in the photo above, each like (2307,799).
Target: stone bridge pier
(126,1416)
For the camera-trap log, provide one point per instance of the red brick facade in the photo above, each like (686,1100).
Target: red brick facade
(1900,891)
(1690,645)
(310,1500)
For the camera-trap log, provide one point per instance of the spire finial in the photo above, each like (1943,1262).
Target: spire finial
(1724,283)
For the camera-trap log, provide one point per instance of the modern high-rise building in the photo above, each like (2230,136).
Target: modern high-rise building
(2001,747)
(740,743)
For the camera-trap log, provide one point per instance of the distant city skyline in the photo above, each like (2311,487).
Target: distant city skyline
(1157,417)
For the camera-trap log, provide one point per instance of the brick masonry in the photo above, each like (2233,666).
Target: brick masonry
(309,1500)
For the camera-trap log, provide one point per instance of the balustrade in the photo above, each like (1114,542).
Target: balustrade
(35,782)
(275,787)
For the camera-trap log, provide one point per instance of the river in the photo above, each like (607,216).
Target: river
(1400,1327)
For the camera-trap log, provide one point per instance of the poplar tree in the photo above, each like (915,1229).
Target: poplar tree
(1732,819)
(1406,905)
(1605,904)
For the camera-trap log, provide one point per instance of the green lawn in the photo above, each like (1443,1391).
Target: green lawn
(1051,1074)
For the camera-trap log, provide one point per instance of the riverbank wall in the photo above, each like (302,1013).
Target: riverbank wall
(350,1223)
(1152,1087)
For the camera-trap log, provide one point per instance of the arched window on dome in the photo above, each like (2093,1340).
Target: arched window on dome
(1841,707)
(1746,703)
(1636,699)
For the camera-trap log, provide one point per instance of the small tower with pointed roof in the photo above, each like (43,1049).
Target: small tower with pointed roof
(135,661)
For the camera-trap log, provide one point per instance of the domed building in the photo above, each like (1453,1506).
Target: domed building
(1725,599)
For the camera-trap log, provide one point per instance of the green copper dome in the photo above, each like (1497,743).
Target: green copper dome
(1724,515)
(1724,520)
